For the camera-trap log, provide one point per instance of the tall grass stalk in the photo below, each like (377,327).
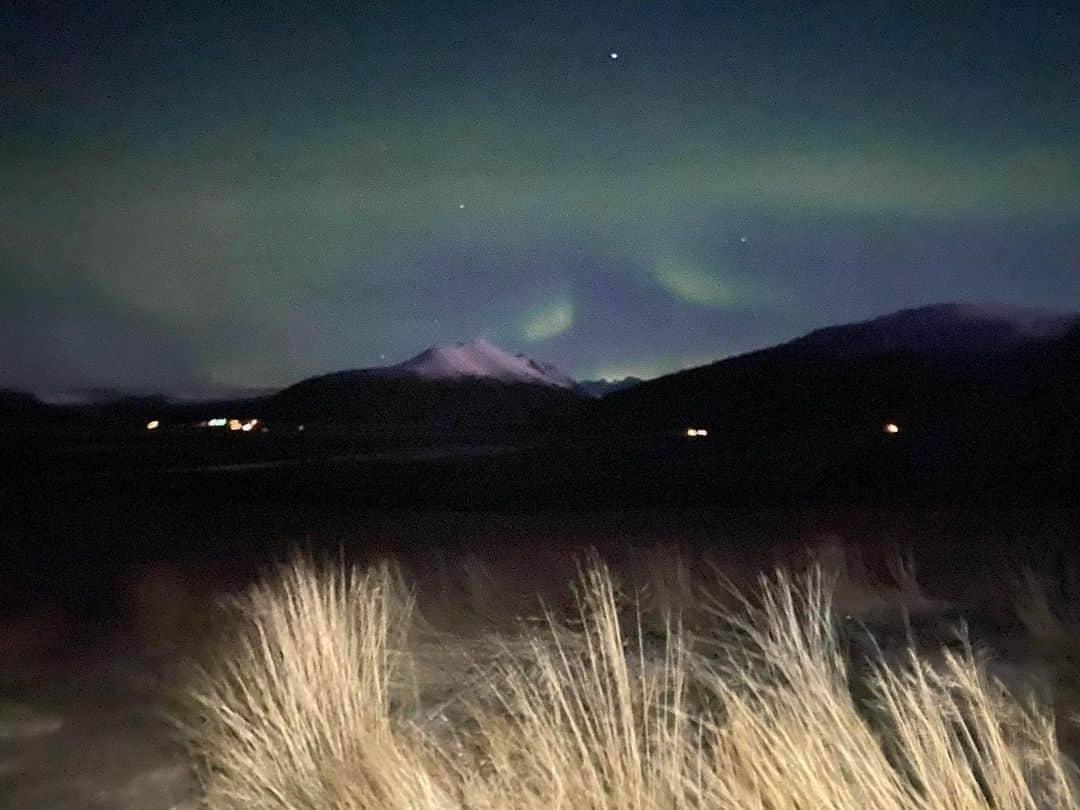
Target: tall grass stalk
(304,710)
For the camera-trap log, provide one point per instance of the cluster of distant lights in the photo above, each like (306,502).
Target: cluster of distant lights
(236,425)
(890,428)
(246,426)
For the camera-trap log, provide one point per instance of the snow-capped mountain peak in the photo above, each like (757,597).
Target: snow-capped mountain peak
(480,359)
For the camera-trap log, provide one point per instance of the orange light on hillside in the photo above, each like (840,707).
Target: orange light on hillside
(235,424)
(892,428)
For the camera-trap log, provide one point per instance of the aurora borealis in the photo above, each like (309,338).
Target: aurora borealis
(203,196)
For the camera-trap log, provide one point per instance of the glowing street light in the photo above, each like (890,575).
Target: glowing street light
(892,428)
(697,432)
(153,424)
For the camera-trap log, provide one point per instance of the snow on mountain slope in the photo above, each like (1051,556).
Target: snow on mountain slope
(480,359)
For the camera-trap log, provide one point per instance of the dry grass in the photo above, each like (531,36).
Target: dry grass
(335,693)
(300,713)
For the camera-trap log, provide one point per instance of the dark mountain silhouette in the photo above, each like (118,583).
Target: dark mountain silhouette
(477,359)
(942,334)
(465,385)
(914,362)
(601,388)
(472,384)
(19,406)
(984,401)
(981,396)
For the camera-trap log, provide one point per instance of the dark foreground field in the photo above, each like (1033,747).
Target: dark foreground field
(118,552)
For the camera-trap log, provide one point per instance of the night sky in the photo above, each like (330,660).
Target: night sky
(196,196)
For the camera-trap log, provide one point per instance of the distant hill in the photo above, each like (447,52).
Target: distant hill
(20,406)
(959,380)
(982,402)
(475,360)
(466,384)
(978,394)
(471,384)
(601,388)
(878,364)
(945,333)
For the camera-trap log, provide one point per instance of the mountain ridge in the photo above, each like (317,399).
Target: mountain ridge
(950,329)
(478,358)
(970,341)
(896,361)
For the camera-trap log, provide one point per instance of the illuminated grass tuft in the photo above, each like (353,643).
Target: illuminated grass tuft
(317,703)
